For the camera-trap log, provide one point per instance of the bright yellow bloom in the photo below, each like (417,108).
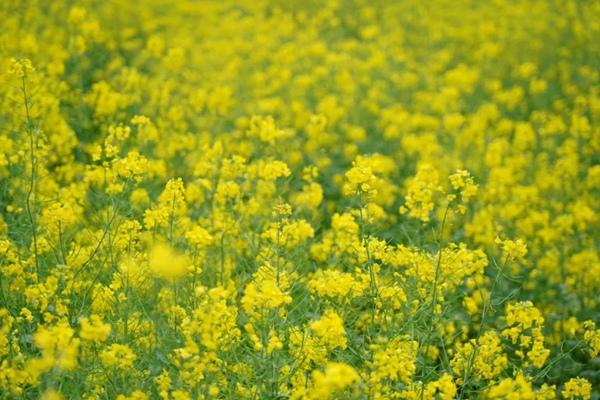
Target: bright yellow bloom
(330,330)
(166,263)
(118,356)
(334,379)
(577,388)
(93,329)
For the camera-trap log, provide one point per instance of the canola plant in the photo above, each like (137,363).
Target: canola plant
(263,199)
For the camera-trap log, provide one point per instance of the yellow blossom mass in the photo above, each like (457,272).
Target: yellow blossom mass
(266,199)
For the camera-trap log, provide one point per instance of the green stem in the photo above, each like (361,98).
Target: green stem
(30,201)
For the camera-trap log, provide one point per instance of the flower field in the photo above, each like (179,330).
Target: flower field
(306,200)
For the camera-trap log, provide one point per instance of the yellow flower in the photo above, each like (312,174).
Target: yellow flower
(51,394)
(481,359)
(512,250)
(275,342)
(118,356)
(58,346)
(264,129)
(330,330)
(272,170)
(199,237)
(577,388)
(335,378)
(93,329)
(519,387)
(592,337)
(419,201)
(267,290)
(393,359)
(166,263)
(20,68)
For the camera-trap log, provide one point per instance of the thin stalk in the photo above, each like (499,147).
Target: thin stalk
(439,260)
(372,278)
(172,220)
(30,201)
